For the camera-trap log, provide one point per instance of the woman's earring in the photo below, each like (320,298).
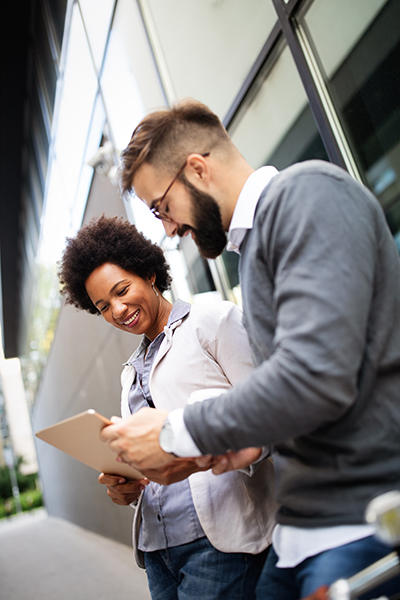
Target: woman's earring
(154,289)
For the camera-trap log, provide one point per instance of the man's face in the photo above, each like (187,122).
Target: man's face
(187,209)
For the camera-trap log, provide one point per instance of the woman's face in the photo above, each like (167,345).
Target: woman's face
(125,300)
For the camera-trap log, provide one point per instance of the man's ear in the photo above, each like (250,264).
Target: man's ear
(197,169)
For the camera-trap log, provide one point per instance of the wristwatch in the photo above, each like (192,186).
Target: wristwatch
(167,438)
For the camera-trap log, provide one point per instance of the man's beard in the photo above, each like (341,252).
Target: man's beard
(209,233)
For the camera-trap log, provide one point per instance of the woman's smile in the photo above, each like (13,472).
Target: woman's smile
(132,320)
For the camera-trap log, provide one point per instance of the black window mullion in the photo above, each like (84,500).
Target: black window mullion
(320,116)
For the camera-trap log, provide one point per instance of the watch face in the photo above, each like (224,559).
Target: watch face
(167,438)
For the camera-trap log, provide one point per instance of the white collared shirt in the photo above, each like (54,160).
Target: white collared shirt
(243,215)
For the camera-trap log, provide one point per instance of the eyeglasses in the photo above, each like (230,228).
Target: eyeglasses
(155,208)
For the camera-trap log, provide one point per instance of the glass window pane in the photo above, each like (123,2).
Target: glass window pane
(277,127)
(198,272)
(129,82)
(210,46)
(97,16)
(75,109)
(231,264)
(358,47)
(336,27)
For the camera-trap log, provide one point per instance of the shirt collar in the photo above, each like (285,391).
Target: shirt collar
(180,310)
(243,215)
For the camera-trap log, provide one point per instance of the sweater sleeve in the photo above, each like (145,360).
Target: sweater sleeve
(316,242)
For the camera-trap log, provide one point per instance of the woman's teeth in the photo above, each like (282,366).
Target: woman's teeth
(133,317)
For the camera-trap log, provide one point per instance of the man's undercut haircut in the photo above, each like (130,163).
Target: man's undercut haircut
(108,240)
(165,138)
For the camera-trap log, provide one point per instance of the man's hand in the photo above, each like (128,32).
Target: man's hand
(178,470)
(231,461)
(120,490)
(135,439)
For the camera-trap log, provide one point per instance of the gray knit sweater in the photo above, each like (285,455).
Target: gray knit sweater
(320,277)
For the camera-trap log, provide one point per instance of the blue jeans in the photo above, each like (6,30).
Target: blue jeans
(323,569)
(198,570)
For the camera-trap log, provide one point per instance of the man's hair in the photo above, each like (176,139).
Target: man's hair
(165,138)
(108,240)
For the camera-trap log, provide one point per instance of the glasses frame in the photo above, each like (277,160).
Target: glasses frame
(155,209)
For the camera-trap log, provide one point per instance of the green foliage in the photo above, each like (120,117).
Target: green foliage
(30,496)
(5,483)
(25,482)
(29,500)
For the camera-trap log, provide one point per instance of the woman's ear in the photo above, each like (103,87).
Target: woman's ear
(152,280)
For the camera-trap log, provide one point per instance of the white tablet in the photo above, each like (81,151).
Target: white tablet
(79,436)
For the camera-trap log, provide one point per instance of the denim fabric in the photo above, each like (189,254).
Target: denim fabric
(198,570)
(323,569)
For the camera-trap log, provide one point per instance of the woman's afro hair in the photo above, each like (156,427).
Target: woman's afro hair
(108,240)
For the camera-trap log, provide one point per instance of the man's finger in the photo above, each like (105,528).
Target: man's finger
(115,419)
(221,465)
(108,433)
(204,461)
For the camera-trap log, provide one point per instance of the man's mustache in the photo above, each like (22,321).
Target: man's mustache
(183,229)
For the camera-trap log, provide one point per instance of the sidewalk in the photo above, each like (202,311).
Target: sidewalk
(46,558)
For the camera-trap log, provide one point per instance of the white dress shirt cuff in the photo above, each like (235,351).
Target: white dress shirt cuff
(183,442)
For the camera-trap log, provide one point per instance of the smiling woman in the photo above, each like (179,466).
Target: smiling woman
(127,301)
(108,240)
(111,269)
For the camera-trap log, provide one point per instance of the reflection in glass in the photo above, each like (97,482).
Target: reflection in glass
(67,188)
(129,81)
(231,263)
(75,108)
(97,16)
(358,47)
(277,127)
(209,47)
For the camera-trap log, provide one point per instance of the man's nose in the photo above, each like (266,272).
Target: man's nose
(171,228)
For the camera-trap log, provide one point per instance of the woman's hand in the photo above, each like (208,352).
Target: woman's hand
(122,491)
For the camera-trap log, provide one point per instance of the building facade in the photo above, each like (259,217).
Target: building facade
(290,79)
